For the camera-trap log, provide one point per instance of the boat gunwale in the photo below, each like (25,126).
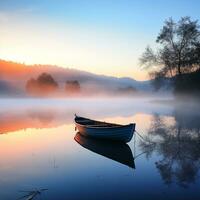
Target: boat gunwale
(104,127)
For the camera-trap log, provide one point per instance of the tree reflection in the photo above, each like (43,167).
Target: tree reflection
(177,143)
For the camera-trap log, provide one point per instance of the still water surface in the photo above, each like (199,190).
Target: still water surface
(39,149)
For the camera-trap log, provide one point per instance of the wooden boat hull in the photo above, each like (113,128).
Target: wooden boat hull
(123,133)
(117,151)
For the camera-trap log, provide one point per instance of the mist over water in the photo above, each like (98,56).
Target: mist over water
(38,149)
(63,63)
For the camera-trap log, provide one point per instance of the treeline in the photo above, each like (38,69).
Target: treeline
(188,84)
(45,85)
(177,57)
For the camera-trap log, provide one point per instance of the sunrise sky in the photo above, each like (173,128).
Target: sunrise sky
(100,36)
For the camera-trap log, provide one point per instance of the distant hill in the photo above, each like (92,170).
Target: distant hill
(17,74)
(8,89)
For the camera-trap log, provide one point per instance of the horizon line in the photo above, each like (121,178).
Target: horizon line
(71,68)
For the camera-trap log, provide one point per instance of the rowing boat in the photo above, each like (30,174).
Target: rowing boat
(104,130)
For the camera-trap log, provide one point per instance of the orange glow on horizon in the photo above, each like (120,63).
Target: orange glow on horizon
(18,67)
(71,48)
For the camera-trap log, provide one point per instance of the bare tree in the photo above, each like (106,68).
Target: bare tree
(179,49)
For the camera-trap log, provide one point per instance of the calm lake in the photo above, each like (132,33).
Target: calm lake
(41,154)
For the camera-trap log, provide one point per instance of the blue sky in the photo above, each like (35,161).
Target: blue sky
(101,36)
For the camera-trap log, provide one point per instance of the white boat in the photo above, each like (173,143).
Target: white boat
(104,130)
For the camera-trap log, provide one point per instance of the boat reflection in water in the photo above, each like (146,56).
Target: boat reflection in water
(116,151)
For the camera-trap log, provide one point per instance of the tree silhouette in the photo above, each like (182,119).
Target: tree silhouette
(178,53)
(72,87)
(46,79)
(43,85)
